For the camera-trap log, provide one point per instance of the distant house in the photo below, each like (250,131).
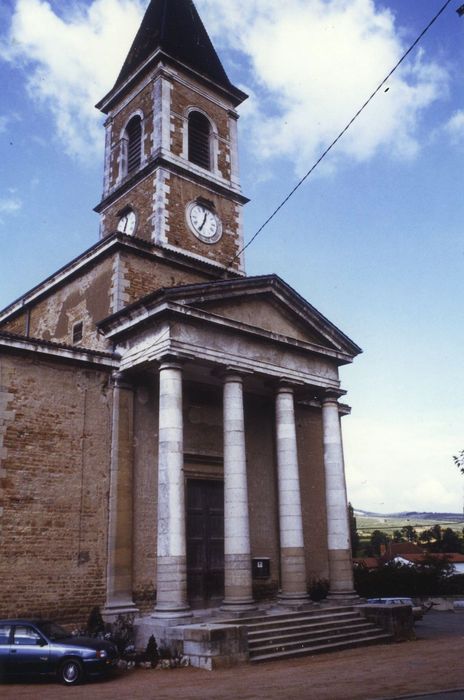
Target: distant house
(409,554)
(417,558)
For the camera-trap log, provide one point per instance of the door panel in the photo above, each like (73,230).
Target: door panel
(205,542)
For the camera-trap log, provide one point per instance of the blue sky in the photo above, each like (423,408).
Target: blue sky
(374,239)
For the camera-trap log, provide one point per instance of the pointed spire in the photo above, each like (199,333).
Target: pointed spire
(174,27)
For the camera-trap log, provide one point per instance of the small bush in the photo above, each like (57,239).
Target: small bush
(151,652)
(95,625)
(318,589)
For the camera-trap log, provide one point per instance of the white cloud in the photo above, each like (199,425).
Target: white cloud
(3,124)
(312,63)
(10,204)
(70,61)
(455,127)
(318,61)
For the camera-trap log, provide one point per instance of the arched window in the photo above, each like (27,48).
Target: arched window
(134,144)
(199,130)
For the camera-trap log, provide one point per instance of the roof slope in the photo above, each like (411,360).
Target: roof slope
(175,27)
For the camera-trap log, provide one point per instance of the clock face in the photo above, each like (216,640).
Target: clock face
(127,223)
(204,222)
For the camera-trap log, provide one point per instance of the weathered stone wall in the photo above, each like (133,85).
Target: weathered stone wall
(54,465)
(17,325)
(86,299)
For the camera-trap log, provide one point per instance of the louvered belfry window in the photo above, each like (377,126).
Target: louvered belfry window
(134,144)
(199,130)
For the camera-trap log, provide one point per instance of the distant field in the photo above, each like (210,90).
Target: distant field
(366,524)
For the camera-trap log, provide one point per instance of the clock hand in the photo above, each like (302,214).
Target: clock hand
(204,221)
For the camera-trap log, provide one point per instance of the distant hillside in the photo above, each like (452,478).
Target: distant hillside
(412,515)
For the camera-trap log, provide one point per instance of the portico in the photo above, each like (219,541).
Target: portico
(178,340)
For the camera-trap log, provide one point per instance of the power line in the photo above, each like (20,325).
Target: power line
(342,133)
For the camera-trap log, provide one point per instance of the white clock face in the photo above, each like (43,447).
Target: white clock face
(205,224)
(127,223)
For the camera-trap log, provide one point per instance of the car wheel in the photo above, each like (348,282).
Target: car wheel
(70,672)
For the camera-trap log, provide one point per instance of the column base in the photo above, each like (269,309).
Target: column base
(343,597)
(112,611)
(238,605)
(171,612)
(293,600)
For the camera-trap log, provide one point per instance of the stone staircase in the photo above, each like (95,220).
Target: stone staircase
(315,631)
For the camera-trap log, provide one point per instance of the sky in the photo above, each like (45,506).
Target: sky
(374,239)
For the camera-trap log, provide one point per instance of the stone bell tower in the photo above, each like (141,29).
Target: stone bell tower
(171,153)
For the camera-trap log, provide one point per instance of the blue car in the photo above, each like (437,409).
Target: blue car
(43,648)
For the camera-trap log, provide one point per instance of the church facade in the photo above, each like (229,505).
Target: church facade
(169,426)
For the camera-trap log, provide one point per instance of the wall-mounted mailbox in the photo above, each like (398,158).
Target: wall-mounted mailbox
(261,567)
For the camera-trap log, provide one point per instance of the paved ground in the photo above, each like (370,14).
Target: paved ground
(432,663)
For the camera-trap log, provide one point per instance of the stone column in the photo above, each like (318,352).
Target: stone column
(338,529)
(120,526)
(171,578)
(292,555)
(237,550)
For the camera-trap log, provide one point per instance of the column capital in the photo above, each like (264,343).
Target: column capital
(120,380)
(331,395)
(231,373)
(285,385)
(171,361)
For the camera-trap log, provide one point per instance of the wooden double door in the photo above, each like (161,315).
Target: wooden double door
(205,542)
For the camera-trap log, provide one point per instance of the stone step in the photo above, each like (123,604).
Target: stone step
(304,633)
(339,645)
(321,619)
(298,641)
(288,615)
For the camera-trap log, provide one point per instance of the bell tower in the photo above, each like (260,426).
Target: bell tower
(171,151)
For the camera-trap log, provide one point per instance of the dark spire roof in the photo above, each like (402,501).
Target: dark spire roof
(175,27)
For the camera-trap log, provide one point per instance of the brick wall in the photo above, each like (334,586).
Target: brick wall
(142,276)
(54,432)
(181,193)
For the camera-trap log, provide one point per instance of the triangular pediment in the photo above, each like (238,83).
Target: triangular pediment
(264,313)
(264,306)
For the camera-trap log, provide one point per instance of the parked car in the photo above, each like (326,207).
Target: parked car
(43,648)
(417,610)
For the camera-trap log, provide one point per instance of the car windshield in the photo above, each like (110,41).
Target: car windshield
(53,631)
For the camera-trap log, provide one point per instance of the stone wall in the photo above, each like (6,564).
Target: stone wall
(54,464)
(86,299)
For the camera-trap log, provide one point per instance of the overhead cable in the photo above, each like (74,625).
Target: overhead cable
(341,134)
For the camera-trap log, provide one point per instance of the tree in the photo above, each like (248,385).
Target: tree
(409,533)
(378,538)
(451,541)
(459,461)
(397,536)
(426,536)
(353,530)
